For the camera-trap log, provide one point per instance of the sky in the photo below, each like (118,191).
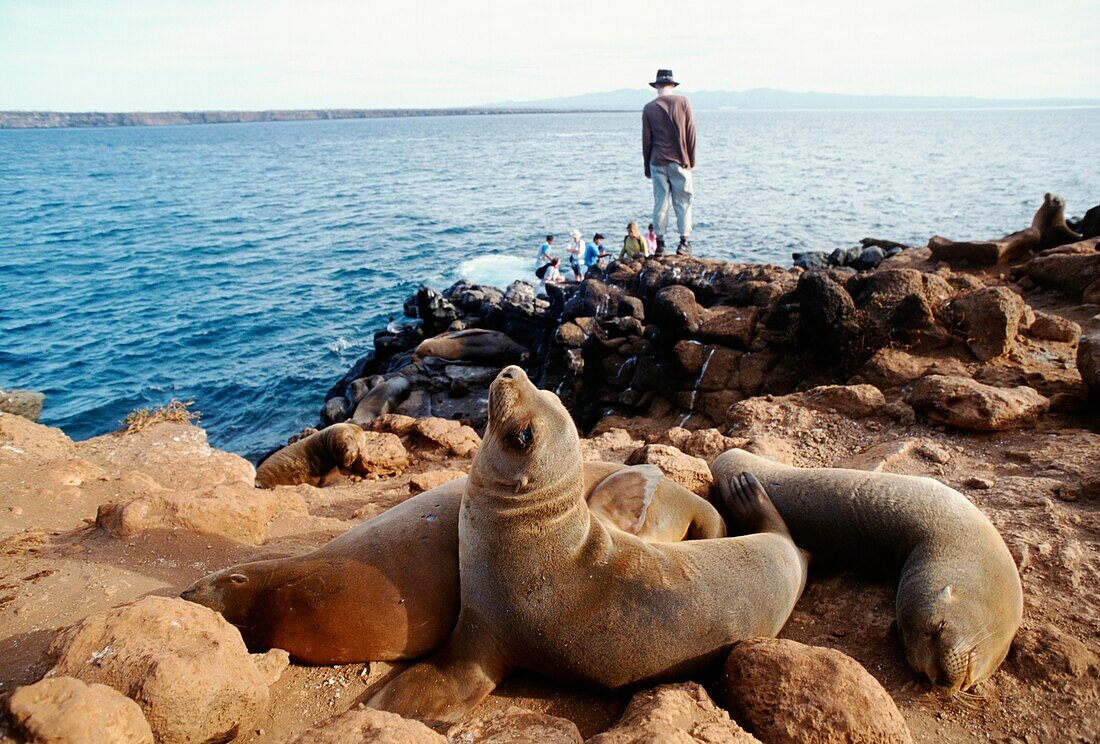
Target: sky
(111,55)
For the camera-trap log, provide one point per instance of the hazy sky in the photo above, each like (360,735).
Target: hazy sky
(110,55)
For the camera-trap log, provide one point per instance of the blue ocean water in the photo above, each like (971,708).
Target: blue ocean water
(246,266)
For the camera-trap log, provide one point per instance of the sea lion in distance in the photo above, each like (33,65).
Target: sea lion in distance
(313,460)
(388,589)
(959,598)
(383,397)
(546,587)
(473,345)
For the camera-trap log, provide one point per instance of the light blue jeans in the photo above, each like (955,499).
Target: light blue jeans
(672,182)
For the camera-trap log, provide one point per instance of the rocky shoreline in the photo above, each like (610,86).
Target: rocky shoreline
(983,375)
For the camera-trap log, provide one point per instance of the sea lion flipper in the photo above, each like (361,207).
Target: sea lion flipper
(623,498)
(448,684)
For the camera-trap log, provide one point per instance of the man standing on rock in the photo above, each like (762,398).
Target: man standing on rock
(668,149)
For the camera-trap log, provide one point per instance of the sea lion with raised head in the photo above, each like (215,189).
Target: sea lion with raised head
(473,345)
(314,460)
(959,599)
(388,589)
(546,587)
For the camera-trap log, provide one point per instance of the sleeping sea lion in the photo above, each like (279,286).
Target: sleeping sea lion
(546,587)
(959,598)
(314,459)
(474,345)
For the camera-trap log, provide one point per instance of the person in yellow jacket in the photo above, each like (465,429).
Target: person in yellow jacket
(634,245)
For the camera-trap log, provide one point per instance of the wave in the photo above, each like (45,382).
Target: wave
(497,270)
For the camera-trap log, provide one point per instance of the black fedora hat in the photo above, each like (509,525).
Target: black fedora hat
(664,77)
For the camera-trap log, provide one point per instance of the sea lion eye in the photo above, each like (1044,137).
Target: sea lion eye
(939,628)
(522,438)
(238,578)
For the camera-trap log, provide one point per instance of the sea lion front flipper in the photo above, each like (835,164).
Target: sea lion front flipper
(446,685)
(623,498)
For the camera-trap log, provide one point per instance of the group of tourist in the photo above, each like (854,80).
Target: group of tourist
(668,153)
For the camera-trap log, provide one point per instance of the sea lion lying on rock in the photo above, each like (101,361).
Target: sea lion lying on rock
(384,397)
(959,598)
(314,459)
(546,587)
(388,589)
(474,345)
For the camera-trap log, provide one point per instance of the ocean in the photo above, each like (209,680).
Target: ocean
(246,266)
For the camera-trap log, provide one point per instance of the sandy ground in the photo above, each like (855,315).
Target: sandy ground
(56,567)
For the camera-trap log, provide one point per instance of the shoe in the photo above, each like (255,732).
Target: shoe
(684,249)
(660,247)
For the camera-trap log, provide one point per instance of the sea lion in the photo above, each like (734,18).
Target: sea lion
(546,587)
(959,599)
(388,589)
(384,397)
(474,345)
(314,459)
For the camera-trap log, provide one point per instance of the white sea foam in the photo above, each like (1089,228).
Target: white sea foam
(497,270)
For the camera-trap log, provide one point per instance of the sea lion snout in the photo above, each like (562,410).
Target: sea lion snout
(512,372)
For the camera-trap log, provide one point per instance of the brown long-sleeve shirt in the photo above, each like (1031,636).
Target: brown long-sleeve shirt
(668,132)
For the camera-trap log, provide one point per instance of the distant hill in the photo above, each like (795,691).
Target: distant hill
(62,119)
(769,98)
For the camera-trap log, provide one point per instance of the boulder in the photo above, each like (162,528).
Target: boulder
(394,423)
(868,258)
(890,368)
(784,691)
(679,713)
(704,443)
(362,725)
(989,319)
(729,326)
(1047,653)
(853,401)
(515,725)
(25,403)
(810,260)
(676,312)
(433,478)
(690,472)
(1070,269)
(181,662)
(1050,327)
(827,315)
(963,403)
(240,513)
(570,334)
(335,410)
(65,710)
(382,454)
(455,438)
(1088,363)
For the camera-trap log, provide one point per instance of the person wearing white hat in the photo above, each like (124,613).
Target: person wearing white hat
(575,249)
(668,149)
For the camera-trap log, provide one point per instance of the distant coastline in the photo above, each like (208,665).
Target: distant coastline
(63,120)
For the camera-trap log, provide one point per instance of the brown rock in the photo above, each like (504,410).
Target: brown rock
(515,725)
(429,480)
(605,445)
(690,472)
(382,454)
(890,368)
(1088,363)
(239,513)
(1049,653)
(680,714)
(1049,327)
(676,312)
(729,326)
(570,334)
(963,403)
(394,423)
(989,319)
(720,370)
(690,354)
(704,443)
(183,663)
(853,401)
(369,726)
(456,438)
(1069,269)
(64,710)
(783,691)
(25,403)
